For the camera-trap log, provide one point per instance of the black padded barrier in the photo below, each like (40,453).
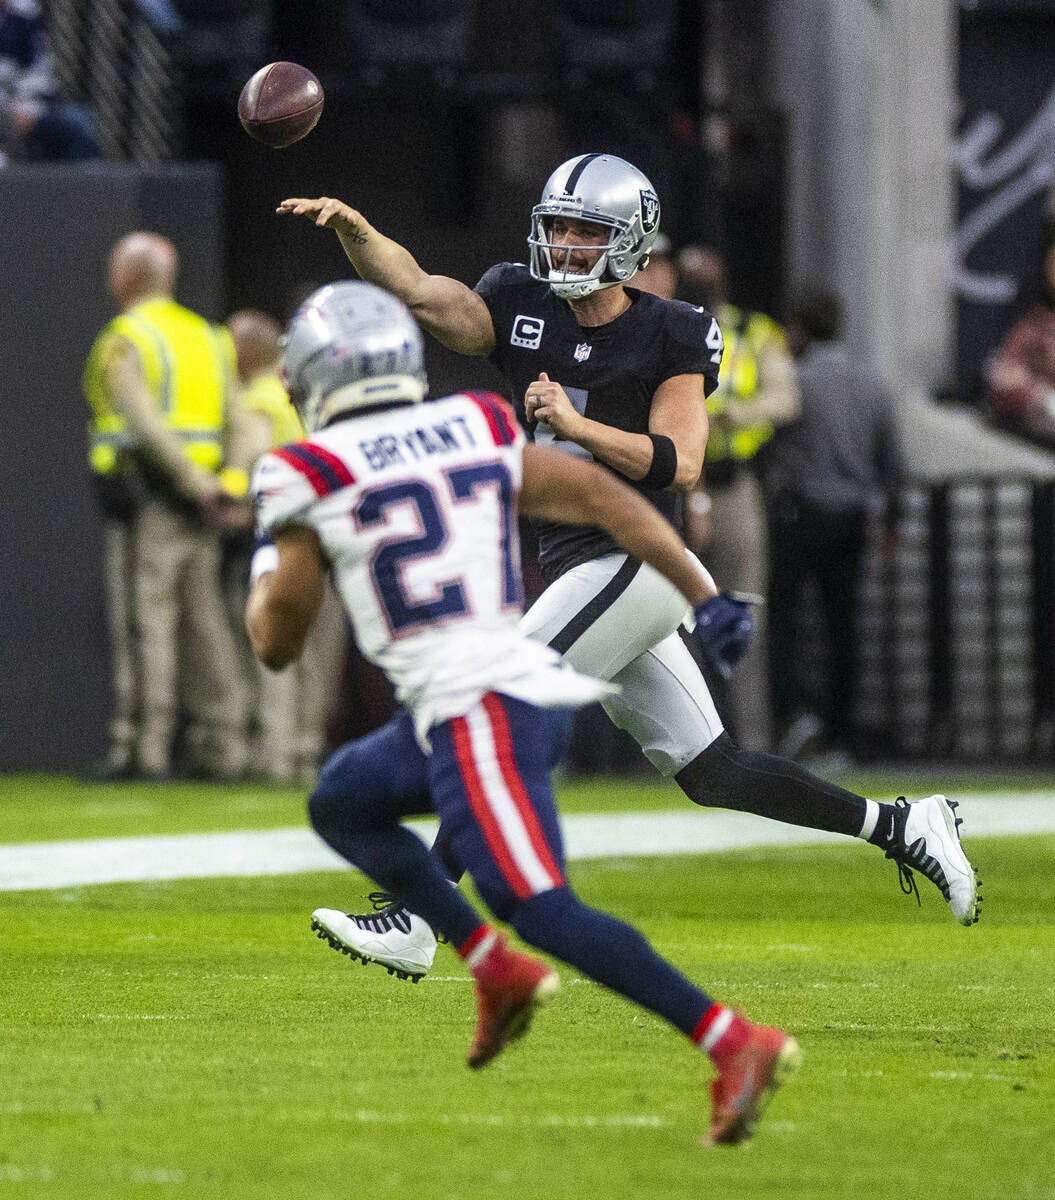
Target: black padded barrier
(57,224)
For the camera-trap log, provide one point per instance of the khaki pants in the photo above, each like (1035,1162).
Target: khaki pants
(294,704)
(119,541)
(289,709)
(179,612)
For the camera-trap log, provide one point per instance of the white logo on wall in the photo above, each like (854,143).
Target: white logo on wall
(1008,178)
(527,332)
(582,351)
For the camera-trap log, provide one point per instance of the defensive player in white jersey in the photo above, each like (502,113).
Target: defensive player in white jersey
(413,507)
(633,372)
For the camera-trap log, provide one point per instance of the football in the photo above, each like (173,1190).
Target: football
(280,104)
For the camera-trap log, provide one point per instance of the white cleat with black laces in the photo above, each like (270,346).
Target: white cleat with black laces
(928,841)
(391,936)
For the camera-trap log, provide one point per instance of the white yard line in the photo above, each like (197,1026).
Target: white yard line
(36,865)
(367,1116)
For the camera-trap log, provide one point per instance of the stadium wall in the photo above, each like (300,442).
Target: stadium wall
(56,228)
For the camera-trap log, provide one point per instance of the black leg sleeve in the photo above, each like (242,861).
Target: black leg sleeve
(724,776)
(443,849)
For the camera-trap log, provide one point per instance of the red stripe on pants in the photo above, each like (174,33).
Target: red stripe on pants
(504,745)
(481,807)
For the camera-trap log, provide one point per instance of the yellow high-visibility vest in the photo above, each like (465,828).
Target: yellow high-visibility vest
(267,395)
(188,364)
(746,335)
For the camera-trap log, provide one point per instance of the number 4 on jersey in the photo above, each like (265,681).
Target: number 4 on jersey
(715,342)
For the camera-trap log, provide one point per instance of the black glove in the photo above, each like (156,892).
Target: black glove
(724,626)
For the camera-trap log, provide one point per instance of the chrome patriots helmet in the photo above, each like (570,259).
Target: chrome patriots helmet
(609,191)
(351,345)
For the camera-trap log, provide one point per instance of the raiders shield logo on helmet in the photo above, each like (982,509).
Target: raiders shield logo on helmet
(649,211)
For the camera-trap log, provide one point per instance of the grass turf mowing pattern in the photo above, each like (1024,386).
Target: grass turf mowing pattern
(193,1038)
(35,807)
(42,808)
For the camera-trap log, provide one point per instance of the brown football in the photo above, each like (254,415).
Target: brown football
(280,104)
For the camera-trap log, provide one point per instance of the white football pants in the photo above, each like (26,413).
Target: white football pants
(618,620)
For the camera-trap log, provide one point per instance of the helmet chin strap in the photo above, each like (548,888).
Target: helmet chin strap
(578,289)
(572,289)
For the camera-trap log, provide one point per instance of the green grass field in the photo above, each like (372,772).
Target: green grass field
(192,1038)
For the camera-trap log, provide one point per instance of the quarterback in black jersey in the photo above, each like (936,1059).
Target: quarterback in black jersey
(605,371)
(611,374)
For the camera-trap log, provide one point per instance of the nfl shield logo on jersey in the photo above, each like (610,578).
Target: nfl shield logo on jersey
(582,351)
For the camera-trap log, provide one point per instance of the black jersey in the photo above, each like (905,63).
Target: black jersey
(610,372)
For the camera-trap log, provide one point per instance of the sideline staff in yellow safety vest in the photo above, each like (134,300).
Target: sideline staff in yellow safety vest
(165,419)
(756,380)
(255,336)
(741,414)
(291,707)
(724,522)
(168,425)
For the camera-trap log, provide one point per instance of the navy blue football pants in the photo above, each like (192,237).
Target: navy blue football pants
(487,778)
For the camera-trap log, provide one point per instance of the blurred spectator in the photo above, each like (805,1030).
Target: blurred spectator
(290,708)
(660,276)
(1021,374)
(34,123)
(725,521)
(164,407)
(823,477)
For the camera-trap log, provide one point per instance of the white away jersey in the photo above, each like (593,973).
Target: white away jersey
(415,507)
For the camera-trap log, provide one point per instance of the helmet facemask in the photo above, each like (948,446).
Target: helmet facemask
(547,254)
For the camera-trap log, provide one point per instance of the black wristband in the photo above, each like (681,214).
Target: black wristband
(664,462)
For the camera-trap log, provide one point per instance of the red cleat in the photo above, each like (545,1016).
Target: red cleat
(746,1083)
(510,988)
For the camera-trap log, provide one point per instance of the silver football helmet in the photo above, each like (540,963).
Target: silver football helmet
(351,345)
(606,190)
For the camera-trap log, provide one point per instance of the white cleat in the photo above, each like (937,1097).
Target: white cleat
(393,937)
(930,843)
